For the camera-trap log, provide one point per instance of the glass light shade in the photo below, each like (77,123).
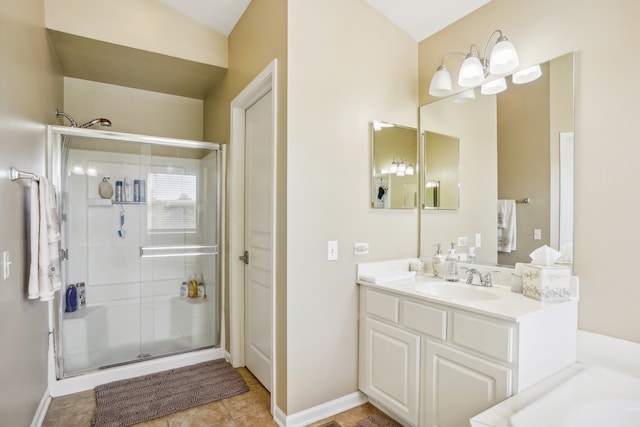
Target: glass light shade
(440,82)
(494,86)
(394,167)
(465,96)
(504,57)
(402,167)
(409,170)
(471,72)
(400,173)
(527,75)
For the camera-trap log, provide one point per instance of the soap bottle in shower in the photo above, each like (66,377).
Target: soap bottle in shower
(71,299)
(193,287)
(436,260)
(202,292)
(452,265)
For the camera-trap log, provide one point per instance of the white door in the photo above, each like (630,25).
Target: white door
(258,238)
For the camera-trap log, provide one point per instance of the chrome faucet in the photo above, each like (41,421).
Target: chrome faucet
(484,281)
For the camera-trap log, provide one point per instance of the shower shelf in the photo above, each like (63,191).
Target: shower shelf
(108,202)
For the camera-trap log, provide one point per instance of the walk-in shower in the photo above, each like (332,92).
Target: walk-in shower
(130,251)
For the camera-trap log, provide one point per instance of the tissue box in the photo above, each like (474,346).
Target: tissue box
(546,283)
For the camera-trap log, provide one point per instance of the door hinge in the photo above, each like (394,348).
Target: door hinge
(64,254)
(245,257)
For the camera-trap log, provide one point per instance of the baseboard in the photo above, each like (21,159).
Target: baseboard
(319,412)
(41,412)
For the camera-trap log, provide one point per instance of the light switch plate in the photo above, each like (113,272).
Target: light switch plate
(332,250)
(6,265)
(537,234)
(478,240)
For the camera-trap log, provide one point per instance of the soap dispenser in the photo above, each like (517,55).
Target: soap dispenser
(471,257)
(436,260)
(452,265)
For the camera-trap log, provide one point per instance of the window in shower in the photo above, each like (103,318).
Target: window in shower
(172,203)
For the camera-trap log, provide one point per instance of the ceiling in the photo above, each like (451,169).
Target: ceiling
(418,18)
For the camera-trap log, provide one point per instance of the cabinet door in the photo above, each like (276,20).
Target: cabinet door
(390,370)
(458,386)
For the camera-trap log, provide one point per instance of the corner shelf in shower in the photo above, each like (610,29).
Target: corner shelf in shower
(94,201)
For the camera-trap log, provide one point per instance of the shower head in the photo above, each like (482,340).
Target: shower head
(102,121)
(74,124)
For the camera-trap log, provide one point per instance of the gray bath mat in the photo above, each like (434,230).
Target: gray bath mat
(378,420)
(131,401)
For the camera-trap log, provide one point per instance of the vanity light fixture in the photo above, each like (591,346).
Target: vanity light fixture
(527,75)
(494,86)
(410,171)
(465,96)
(394,167)
(474,68)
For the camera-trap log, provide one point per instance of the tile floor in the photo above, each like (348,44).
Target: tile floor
(248,409)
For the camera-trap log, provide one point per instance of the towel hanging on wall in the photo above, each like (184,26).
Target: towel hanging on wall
(44,269)
(506,225)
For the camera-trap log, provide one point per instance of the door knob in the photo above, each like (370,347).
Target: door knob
(245,257)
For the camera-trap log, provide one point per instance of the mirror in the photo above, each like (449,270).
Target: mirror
(394,165)
(441,157)
(513,146)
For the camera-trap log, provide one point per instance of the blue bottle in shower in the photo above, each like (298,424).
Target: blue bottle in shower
(71,299)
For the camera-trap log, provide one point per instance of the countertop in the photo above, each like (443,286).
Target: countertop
(497,301)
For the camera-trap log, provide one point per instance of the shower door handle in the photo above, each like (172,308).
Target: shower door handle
(245,257)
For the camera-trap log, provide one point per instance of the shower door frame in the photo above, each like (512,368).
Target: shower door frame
(55,138)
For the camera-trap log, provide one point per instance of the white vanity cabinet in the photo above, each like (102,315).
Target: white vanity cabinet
(436,364)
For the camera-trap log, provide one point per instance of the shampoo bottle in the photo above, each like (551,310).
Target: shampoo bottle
(452,265)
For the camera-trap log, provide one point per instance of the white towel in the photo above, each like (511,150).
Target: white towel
(391,276)
(506,225)
(44,271)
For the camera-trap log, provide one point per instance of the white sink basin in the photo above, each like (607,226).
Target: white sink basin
(455,291)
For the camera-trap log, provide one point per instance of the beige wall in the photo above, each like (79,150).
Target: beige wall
(142,24)
(258,38)
(31,89)
(133,110)
(337,84)
(607,146)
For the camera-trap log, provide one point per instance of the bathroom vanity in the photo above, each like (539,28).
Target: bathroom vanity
(437,353)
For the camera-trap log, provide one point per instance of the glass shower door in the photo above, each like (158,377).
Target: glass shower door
(179,253)
(133,248)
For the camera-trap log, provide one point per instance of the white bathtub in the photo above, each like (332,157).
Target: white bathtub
(595,397)
(579,396)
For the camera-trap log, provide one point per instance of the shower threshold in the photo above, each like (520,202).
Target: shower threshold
(147,356)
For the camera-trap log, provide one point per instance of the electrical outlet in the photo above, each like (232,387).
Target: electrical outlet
(478,240)
(463,241)
(332,250)
(537,234)
(361,248)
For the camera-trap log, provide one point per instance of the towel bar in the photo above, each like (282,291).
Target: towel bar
(526,200)
(15,174)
